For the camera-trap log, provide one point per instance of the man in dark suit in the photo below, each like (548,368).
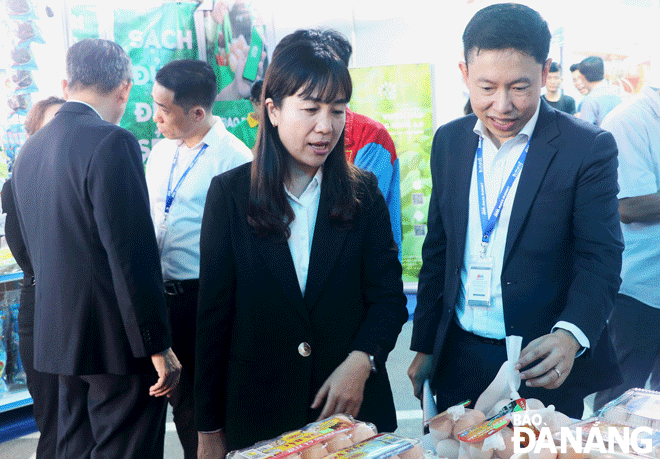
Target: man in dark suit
(100,321)
(542,261)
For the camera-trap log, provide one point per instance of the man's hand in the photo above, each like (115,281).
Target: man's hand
(555,353)
(419,371)
(168,368)
(211,445)
(343,391)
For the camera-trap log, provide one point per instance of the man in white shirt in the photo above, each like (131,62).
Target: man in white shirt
(523,235)
(179,170)
(602,97)
(635,320)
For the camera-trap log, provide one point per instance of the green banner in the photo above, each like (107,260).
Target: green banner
(152,38)
(400,98)
(84,22)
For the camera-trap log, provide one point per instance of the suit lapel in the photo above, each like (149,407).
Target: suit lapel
(538,159)
(462,161)
(326,246)
(276,255)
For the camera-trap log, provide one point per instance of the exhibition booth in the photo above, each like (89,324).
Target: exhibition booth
(404,72)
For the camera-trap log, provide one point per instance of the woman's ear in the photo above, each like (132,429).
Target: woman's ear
(273,112)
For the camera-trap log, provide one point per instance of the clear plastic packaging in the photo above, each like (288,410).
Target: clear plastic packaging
(315,440)
(636,407)
(382,446)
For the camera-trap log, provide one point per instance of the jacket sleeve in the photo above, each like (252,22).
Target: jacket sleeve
(217,281)
(597,240)
(118,192)
(432,274)
(381,281)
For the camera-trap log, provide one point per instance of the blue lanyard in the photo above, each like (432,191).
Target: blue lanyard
(171,193)
(488,224)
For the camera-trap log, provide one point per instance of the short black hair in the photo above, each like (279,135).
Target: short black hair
(255,91)
(192,82)
(554,68)
(339,43)
(575,67)
(592,68)
(508,25)
(99,64)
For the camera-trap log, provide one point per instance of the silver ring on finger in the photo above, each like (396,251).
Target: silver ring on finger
(558,372)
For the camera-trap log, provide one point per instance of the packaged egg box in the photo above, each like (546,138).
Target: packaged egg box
(636,408)
(382,446)
(315,440)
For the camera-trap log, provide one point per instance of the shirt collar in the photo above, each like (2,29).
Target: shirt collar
(85,103)
(313,185)
(209,138)
(526,131)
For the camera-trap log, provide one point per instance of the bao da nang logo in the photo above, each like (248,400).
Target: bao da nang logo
(531,435)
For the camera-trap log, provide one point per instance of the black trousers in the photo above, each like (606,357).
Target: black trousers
(181,300)
(469,364)
(43,387)
(110,416)
(634,331)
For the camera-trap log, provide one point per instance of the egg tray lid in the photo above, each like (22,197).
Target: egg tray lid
(636,408)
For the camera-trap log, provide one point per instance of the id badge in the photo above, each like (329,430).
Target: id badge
(480,273)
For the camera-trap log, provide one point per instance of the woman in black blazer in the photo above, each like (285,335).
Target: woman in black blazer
(43,387)
(301,298)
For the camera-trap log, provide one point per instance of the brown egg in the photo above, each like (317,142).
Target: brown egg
(338,441)
(571,454)
(469,419)
(476,452)
(544,453)
(507,434)
(361,432)
(316,451)
(447,448)
(415,452)
(440,428)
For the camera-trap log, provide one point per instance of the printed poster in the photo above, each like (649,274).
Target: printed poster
(152,38)
(399,96)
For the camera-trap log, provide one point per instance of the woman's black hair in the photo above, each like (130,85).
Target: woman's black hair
(310,69)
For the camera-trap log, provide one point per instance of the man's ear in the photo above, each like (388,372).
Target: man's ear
(199,113)
(65,89)
(545,71)
(124,92)
(464,71)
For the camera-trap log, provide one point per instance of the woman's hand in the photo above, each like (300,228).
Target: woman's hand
(343,391)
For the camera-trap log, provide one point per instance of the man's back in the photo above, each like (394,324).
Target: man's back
(82,199)
(598,103)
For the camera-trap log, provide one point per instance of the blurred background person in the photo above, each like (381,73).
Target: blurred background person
(42,386)
(196,148)
(635,319)
(554,95)
(247,129)
(602,97)
(578,82)
(301,298)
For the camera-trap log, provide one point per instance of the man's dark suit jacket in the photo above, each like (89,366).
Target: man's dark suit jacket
(562,255)
(83,209)
(250,377)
